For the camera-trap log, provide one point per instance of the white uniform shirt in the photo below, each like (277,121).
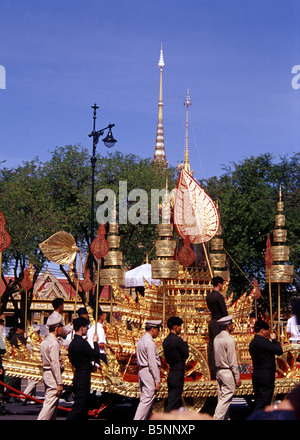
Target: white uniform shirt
(100,333)
(293,328)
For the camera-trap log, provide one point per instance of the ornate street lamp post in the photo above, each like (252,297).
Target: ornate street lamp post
(109,142)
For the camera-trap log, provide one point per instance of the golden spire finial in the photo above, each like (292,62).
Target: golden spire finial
(280,194)
(280,203)
(187,167)
(159,153)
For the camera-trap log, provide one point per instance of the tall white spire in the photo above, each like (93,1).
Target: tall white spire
(159,152)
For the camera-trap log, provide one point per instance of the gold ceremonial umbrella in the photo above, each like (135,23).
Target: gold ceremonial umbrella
(61,248)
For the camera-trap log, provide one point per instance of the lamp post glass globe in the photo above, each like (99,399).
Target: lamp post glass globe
(109,140)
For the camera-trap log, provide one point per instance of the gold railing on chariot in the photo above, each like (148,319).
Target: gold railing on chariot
(184,296)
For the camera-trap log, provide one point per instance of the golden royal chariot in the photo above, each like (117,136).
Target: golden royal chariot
(182,292)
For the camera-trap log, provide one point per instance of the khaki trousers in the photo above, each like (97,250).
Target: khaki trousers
(49,410)
(147,394)
(226,388)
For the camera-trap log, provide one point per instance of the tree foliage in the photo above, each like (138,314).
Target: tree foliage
(247,194)
(39,199)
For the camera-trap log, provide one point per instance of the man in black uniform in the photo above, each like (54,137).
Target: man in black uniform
(81,355)
(216,304)
(176,352)
(263,348)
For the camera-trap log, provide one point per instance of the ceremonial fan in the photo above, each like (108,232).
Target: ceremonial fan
(61,248)
(196,219)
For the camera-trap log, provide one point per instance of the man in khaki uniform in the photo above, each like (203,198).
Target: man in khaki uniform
(149,374)
(52,366)
(227,371)
(58,305)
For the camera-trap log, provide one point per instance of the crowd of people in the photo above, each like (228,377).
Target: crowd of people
(87,346)
(223,364)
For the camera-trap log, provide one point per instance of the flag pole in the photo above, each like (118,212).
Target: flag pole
(77,284)
(97,297)
(269,262)
(278,313)
(270,302)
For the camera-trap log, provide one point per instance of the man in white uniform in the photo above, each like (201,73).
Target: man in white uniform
(293,323)
(101,335)
(149,374)
(227,371)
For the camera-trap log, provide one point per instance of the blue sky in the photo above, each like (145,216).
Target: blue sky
(234,56)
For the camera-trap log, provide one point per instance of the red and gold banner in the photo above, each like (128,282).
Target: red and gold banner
(268,254)
(26,283)
(100,246)
(255,292)
(5,239)
(87,283)
(186,256)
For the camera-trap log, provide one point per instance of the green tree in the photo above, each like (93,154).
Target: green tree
(247,195)
(68,185)
(40,199)
(137,240)
(29,219)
